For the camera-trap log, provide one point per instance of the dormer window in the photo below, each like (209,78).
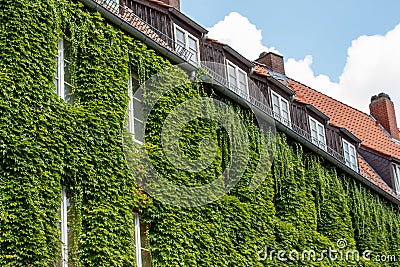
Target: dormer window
(396,176)
(187,41)
(280,108)
(317,131)
(237,79)
(350,155)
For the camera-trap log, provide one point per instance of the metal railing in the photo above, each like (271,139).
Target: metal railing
(223,81)
(269,112)
(127,15)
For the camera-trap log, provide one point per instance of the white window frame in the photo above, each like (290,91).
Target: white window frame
(349,157)
(278,113)
(236,87)
(64,227)
(60,75)
(132,119)
(318,137)
(138,241)
(187,35)
(396,178)
(139,249)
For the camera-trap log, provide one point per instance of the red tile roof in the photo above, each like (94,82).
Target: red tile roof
(342,115)
(260,69)
(215,41)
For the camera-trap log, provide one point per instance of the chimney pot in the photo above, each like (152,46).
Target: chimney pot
(382,108)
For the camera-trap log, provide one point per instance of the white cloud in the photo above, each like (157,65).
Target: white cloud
(243,36)
(373,62)
(371,68)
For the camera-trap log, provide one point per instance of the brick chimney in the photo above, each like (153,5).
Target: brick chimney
(175,3)
(273,61)
(382,108)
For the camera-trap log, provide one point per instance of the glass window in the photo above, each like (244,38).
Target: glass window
(187,41)
(317,131)
(143,258)
(62,74)
(237,80)
(281,109)
(396,174)
(65,227)
(350,155)
(135,110)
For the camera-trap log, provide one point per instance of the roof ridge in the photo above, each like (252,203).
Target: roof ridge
(315,90)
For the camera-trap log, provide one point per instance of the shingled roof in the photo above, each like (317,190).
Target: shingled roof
(363,126)
(359,123)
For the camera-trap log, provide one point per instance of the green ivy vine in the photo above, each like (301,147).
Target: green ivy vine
(303,203)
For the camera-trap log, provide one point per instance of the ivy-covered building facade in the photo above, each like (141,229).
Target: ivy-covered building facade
(73,135)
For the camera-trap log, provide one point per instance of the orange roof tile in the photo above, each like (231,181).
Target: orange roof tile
(259,69)
(342,115)
(215,41)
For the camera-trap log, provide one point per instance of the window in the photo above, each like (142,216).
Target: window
(62,76)
(280,107)
(350,155)
(317,131)
(65,206)
(396,175)
(189,42)
(143,258)
(237,79)
(135,111)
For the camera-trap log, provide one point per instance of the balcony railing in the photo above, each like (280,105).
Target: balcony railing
(269,112)
(127,15)
(208,66)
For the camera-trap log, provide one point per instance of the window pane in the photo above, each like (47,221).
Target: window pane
(231,70)
(139,131)
(180,37)
(276,104)
(192,44)
(242,77)
(67,75)
(138,109)
(68,95)
(285,106)
(242,82)
(67,50)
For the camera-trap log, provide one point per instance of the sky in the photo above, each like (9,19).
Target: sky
(347,49)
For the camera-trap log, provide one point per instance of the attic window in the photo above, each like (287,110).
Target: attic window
(280,107)
(396,175)
(350,155)
(237,79)
(187,41)
(317,131)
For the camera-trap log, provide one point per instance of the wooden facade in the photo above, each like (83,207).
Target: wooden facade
(214,56)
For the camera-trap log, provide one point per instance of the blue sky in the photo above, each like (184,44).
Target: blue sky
(323,29)
(349,50)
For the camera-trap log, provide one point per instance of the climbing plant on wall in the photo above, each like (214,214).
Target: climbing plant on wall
(302,204)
